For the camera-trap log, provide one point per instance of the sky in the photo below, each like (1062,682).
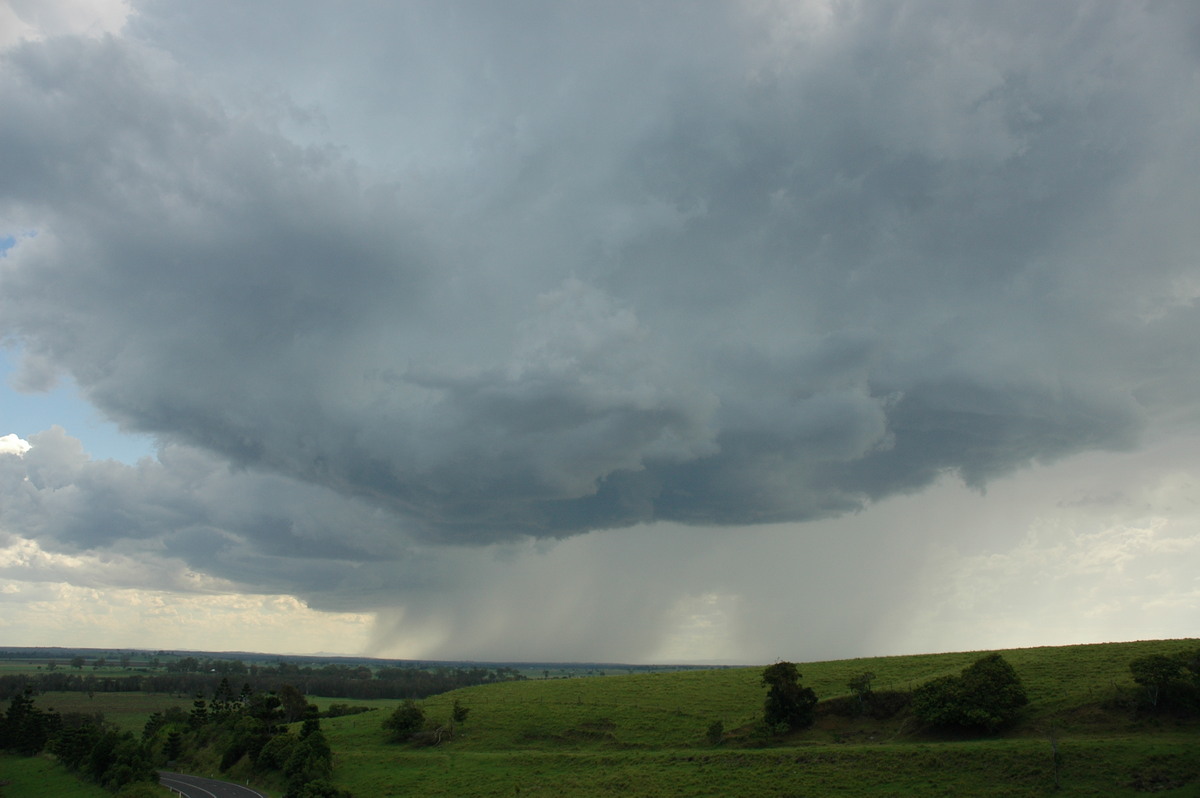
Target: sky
(696,332)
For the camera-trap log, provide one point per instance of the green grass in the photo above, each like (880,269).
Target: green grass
(644,734)
(42,777)
(127,711)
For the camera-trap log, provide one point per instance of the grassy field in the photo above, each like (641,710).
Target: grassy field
(644,735)
(127,711)
(42,777)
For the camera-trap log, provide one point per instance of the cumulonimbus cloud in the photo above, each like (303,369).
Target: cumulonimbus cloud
(819,262)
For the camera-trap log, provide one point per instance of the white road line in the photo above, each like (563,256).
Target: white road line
(164,777)
(185,784)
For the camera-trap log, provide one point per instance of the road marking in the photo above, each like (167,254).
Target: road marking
(229,785)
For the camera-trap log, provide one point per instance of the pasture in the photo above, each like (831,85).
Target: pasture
(646,734)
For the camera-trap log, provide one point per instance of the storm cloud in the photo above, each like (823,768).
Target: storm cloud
(477,273)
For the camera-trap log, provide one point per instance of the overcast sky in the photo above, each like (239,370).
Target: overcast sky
(668,331)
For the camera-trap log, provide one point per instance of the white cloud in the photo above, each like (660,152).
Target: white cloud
(11,444)
(60,613)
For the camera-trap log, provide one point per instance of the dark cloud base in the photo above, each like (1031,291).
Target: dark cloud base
(499,278)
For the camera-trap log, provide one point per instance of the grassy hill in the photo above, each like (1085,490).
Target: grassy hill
(645,734)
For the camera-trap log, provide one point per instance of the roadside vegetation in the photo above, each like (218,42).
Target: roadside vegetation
(1113,719)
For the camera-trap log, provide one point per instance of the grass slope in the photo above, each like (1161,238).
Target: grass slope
(644,734)
(42,777)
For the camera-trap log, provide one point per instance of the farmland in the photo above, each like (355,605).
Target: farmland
(645,735)
(649,733)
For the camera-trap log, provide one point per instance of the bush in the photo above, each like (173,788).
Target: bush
(311,759)
(880,705)
(1168,683)
(885,704)
(407,720)
(985,697)
(276,752)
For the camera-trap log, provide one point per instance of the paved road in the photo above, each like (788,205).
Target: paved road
(196,787)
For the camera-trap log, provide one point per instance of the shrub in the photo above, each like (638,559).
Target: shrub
(985,697)
(276,752)
(1168,683)
(407,720)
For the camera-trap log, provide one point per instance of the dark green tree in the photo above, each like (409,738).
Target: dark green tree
(247,738)
(1155,673)
(311,760)
(405,721)
(788,705)
(458,713)
(199,715)
(276,752)
(173,746)
(25,729)
(860,687)
(223,701)
(1169,683)
(293,704)
(986,696)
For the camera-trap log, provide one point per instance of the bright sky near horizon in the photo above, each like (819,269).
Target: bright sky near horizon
(688,331)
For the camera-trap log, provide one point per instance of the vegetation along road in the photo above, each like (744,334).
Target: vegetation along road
(196,787)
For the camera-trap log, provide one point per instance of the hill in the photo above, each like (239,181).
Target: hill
(647,734)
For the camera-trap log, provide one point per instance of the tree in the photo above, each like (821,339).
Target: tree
(788,705)
(1171,683)
(276,752)
(311,760)
(173,746)
(199,714)
(293,703)
(77,663)
(987,695)
(406,721)
(860,686)
(222,700)
(25,729)
(459,713)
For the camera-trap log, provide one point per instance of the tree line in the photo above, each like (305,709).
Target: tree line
(329,681)
(248,726)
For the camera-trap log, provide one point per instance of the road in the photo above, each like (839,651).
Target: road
(196,787)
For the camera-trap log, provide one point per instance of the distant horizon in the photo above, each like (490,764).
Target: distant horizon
(233,655)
